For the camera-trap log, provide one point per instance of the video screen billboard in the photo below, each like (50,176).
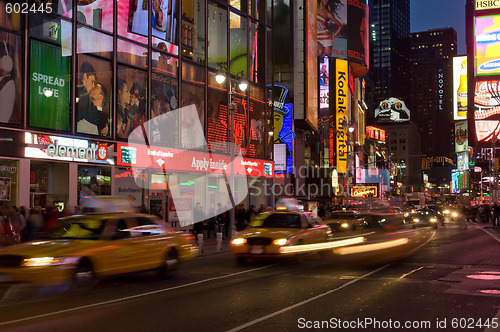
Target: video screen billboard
(311,57)
(460,87)
(357,37)
(487,45)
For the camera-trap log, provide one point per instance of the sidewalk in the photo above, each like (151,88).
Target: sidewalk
(210,246)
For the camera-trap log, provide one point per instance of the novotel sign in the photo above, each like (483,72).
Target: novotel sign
(487,4)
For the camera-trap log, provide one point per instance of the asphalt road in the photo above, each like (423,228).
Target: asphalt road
(441,280)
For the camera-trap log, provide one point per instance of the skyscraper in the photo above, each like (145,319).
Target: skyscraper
(389,49)
(431,97)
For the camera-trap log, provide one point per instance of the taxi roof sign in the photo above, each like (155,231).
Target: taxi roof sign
(287,204)
(107,204)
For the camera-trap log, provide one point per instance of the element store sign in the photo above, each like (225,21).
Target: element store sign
(94,152)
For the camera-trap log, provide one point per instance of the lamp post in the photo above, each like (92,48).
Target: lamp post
(349,152)
(220,77)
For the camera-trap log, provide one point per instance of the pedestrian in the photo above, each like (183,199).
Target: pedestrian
(483,217)
(251,214)
(199,218)
(220,219)
(241,217)
(496,214)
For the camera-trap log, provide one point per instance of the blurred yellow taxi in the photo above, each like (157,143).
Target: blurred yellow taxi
(82,248)
(281,232)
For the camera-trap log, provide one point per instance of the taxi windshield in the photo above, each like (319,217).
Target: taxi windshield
(276,220)
(77,228)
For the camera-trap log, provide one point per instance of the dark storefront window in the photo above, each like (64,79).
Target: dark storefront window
(193,93)
(93,180)
(217,35)
(238,48)
(217,129)
(92,42)
(193,30)
(132,54)
(98,14)
(12,21)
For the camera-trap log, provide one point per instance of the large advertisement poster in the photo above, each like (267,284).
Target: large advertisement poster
(357,36)
(331,28)
(342,113)
(131,101)
(311,102)
(49,87)
(10,78)
(93,96)
(392,110)
(461,140)
(460,88)
(283,129)
(487,110)
(487,42)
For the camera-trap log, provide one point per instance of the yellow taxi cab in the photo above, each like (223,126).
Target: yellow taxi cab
(280,233)
(82,248)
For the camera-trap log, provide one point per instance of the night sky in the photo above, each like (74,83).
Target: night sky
(435,14)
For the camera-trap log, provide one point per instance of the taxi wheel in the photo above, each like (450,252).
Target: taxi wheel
(170,265)
(84,276)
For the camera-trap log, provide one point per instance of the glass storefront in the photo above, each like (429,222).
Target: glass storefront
(100,69)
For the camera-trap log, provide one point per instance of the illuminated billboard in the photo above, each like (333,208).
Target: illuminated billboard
(357,37)
(311,57)
(487,110)
(460,88)
(486,4)
(487,45)
(375,133)
(342,112)
(461,138)
(463,161)
(392,110)
(283,130)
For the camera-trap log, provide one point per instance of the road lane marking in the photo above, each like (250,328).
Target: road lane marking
(491,234)
(131,297)
(412,271)
(296,305)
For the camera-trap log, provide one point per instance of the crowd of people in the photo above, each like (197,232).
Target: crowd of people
(20,225)
(483,213)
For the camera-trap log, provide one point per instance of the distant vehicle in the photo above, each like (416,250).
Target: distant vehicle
(416,200)
(424,218)
(344,220)
(81,248)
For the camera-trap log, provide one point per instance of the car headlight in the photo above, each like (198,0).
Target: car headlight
(41,261)
(238,241)
(454,214)
(344,225)
(280,242)
(406,214)
(446,211)
(433,220)
(416,220)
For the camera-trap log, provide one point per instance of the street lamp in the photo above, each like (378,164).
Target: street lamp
(220,77)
